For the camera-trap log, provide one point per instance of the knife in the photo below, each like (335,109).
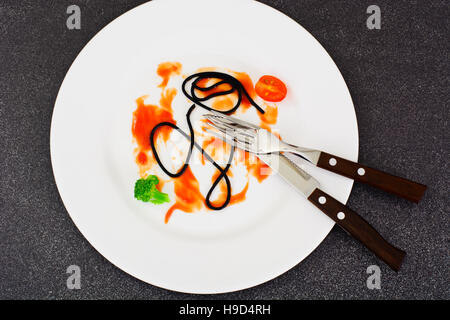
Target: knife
(346,218)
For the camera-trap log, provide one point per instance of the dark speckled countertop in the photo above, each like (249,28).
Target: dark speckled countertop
(399,80)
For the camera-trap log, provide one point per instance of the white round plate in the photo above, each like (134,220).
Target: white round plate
(92,149)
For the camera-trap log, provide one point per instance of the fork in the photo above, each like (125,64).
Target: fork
(257,140)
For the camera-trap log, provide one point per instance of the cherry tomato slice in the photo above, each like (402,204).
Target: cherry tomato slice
(271,89)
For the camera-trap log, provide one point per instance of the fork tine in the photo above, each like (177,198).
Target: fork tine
(219,125)
(228,139)
(225,120)
(232,119)
(231,134)
(235,134)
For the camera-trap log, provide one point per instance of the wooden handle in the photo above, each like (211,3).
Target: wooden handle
(359,228)
(401,187)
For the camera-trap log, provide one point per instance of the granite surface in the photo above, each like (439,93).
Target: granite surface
(398,78)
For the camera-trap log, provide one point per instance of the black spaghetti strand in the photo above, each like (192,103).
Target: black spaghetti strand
(225,79)
(237,87)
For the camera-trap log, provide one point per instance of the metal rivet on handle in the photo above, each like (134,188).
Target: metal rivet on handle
(341,215)
(361,171)
(322,200)
(332,162)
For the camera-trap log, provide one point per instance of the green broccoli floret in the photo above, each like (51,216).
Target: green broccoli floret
(145,190)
